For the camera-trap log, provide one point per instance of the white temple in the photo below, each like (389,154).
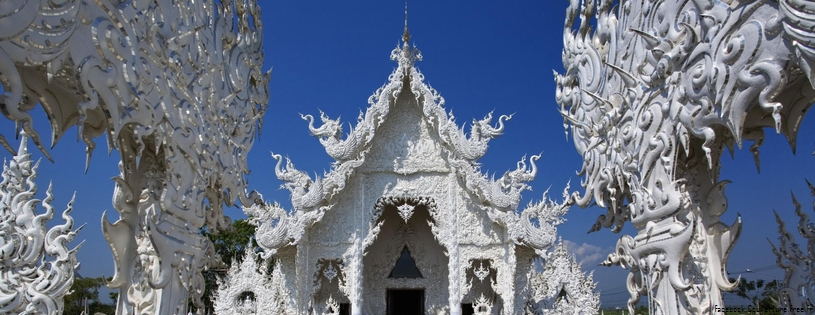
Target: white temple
(652,93)
(405,222)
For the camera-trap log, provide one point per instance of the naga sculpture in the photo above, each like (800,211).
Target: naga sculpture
(176,88)
(36,265)
(652,93)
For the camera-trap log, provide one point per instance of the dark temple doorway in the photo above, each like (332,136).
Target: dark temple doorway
(405,302)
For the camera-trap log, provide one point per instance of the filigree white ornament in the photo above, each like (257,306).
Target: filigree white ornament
(653,91)
(331,307)
(561,273)
(330,273)
(405,211)
(268,294)
(482,306)
(170,96)
(481,273)
(798,289)
(36,266)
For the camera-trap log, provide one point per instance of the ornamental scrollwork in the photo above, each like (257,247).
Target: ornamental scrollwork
(561,273)
(482,306)
(37,267)
(481,273)
(653,91)
(797,290)
(186,94)
(481,132)
(267,293)
(437,225)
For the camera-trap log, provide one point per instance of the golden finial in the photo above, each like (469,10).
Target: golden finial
(406,35)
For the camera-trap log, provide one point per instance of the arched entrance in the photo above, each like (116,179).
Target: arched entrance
(405,267)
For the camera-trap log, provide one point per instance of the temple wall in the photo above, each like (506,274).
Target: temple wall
(524,257)
(480,229)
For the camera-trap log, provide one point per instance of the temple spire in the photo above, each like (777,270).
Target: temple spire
(406,35)
(406,56)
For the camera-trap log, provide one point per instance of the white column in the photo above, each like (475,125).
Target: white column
(356,277)
(454,280)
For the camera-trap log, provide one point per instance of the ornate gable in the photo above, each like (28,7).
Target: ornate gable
(407,131)
(248,289)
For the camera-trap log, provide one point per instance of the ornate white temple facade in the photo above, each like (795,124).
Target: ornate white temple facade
(405,220)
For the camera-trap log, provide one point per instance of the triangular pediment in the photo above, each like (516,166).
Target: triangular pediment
(406,103)
(405,130)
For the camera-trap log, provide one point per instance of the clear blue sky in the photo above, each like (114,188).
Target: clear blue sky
(480,56)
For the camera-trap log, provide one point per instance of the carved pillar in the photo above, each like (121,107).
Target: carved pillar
(357,287)
(506,280)
(677,258)
(180,100)
(653,92)
(159,254)
(304,272)
(454,279)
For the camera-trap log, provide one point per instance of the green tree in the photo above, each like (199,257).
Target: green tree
(86,289)
(760,293)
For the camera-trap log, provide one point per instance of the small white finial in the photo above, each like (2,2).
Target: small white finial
(406,35)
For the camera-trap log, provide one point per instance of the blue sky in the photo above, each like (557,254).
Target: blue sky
(480,56)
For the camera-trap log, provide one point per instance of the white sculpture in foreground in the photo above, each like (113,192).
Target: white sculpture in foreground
(36,266)
(405,219)
(176,88)
(653,92)
(797,292)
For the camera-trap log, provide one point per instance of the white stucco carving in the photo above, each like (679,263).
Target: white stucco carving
(181,99)
(248,289)
(481,272)
(797,291)
(405,182)
(482,306)
(653,92)
(561,272)
(36,265)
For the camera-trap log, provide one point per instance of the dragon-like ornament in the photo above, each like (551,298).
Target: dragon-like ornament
(175,87)
(653,91)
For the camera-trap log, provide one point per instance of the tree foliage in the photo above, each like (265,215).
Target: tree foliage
(86,288)
(759,292)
